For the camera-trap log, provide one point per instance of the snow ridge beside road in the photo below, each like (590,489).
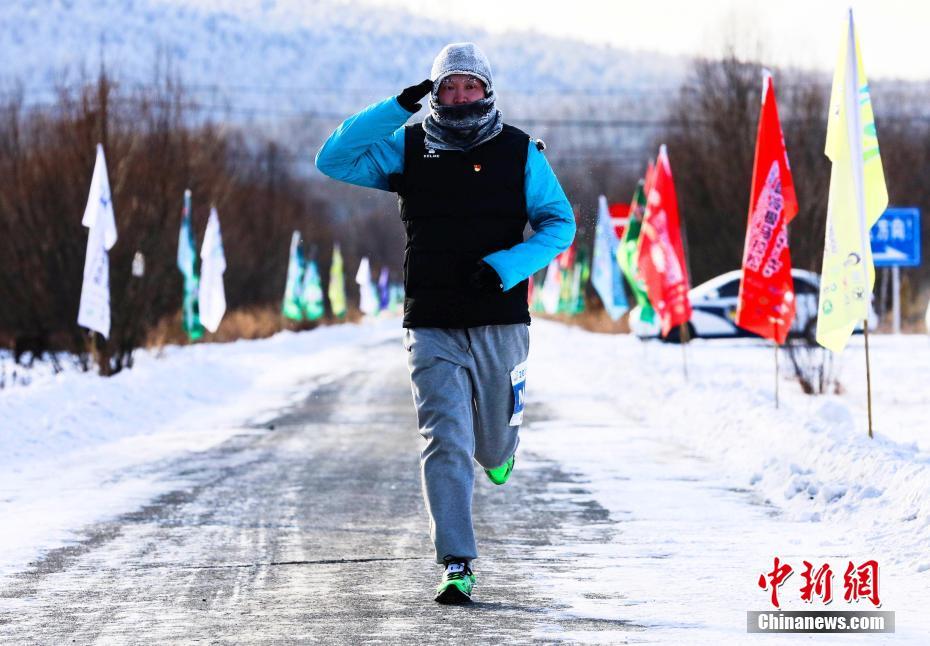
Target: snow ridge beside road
(811,457)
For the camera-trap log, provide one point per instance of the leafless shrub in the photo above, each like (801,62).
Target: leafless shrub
(814,366)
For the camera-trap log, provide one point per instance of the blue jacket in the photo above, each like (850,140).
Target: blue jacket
(369,146)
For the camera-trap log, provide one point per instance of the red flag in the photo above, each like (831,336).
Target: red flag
(661,255)
(649,177)
(619,216)
(567,258)
(766,296)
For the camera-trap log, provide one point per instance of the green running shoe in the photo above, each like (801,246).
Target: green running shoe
(457,583)
(500,474)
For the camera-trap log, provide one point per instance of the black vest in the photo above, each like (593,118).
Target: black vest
(458,207)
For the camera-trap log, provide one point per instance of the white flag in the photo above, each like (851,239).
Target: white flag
(368,303)
(212,266)
(94,311)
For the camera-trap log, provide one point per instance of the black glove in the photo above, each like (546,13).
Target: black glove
(485,279)
(409,97)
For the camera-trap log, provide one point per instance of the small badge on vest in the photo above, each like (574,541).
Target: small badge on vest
(477,168)
(430,154)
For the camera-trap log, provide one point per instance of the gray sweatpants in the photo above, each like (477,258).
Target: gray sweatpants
(463,392)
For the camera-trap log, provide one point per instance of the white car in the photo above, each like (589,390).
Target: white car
(713,307)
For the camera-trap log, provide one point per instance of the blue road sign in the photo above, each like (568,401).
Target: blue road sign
(896,238)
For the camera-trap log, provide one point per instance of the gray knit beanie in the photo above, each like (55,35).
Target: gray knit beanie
(461,58)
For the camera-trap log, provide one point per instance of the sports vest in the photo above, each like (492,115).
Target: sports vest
(458,207)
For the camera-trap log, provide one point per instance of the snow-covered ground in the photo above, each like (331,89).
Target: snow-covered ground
(740,482)
(68,441)
(707,479)
(811,457)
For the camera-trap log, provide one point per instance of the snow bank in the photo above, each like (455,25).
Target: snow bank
(811,457)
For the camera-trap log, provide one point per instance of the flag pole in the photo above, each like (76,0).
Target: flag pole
(775,341)
(868,373)
(776,374)
(93,350)
(683,338)
(854,132)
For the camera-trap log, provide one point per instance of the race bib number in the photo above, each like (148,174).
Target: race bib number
(518,381)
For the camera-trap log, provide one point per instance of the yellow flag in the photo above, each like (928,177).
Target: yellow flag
(337,288)
(857,199)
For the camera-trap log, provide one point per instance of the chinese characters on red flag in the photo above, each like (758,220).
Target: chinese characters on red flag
(661,255)
(650,176)
(766,298)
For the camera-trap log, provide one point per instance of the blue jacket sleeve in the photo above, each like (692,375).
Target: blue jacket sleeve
(366,147)
(551,218)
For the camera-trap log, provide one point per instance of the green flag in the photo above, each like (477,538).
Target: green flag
(581,273)
(627,255)
(537,304)
(566,273)
(292,307)
(337,286)
(312,293)
(187,264)
(396,304)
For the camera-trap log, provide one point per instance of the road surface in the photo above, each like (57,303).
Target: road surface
(310,528)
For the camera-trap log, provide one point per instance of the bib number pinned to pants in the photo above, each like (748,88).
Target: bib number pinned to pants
(518,381)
